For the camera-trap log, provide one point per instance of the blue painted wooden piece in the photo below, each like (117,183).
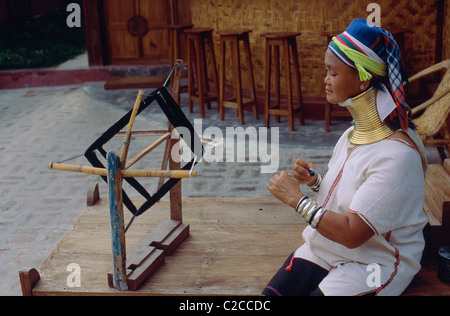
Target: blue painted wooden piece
(117,222)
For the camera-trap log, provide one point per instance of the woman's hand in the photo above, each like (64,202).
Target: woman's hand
(285,188)
(301,174)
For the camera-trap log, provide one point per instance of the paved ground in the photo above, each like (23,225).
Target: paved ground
(43,125)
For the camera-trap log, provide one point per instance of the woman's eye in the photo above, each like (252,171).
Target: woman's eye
(332,74)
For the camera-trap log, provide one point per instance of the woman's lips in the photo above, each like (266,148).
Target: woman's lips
(328,91)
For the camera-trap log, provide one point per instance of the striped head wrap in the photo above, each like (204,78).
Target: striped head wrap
(373,52)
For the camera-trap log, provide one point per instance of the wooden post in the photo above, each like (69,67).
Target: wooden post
(117,222)
(176,204)
(28,279)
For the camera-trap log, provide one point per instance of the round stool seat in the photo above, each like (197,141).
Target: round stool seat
(279,35)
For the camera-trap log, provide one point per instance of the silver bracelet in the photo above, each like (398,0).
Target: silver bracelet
(300,201)
(306,207)
(302,204)
(316,186)
(312,213)
(310,210)
(317,217)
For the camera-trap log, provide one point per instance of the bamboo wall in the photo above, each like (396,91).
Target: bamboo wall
(315,19)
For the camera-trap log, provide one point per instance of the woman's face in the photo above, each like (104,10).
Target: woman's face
(341,82)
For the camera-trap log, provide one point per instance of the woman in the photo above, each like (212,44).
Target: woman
(365,234)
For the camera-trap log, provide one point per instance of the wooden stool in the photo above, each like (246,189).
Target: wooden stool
(238,102)
(198,39)
(178,49)
(286,40)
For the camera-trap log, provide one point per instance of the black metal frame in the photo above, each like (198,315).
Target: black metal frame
(178,119)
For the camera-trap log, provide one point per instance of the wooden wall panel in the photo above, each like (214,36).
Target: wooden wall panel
(157,13)
(121,44)
(315,19)
(153,47)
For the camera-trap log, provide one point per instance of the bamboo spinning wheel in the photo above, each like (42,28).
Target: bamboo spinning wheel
(130,271)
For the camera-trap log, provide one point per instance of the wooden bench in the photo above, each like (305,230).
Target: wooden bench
(235,246)
(437,232)
(437,205)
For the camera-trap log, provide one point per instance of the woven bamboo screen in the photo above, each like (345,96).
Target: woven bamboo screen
(315,19)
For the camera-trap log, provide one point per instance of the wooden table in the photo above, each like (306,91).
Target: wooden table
(234,248)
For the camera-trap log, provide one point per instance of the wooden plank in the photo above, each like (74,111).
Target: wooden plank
(228,250)
(138,82)
(234,248)
(438,191)
(138,256)
(93,194)
(140,270)
(171,242)
(428,205)
(145,269)
(446,165)
(151,241)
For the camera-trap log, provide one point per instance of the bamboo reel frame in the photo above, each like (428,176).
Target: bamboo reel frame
(177,119)
(149,254)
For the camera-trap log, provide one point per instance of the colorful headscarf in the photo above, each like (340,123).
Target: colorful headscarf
(373,51)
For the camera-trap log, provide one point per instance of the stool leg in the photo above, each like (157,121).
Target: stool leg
(298,84)
(252,79)
(201,76)
(288,83)
(191,67)
(276,61)
(214,65)
(222,79)
(204,45)
(172,44)
(236,67)
(267,92)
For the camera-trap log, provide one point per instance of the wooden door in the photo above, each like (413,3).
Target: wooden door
(137,31)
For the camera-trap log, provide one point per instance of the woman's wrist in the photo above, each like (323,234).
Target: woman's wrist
(293,202)
(310,184)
